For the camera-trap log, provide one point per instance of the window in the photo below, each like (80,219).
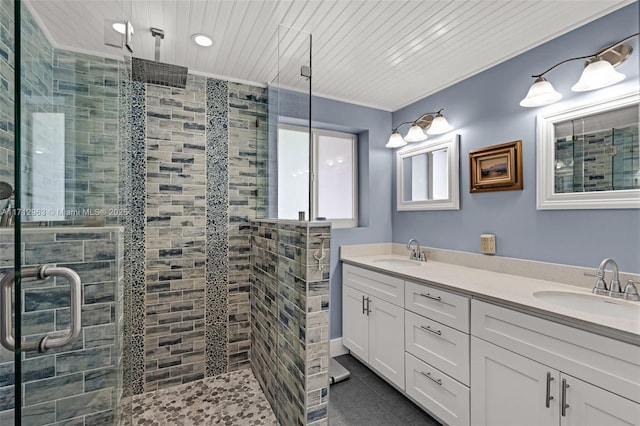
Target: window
(334,175)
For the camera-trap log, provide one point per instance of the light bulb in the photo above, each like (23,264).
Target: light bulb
(202,40)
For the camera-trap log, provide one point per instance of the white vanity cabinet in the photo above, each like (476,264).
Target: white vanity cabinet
(471,362)
(437,346)
(373,321)
(529,371)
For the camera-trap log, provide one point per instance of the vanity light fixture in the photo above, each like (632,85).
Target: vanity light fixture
(425,123)
(599,72)
(202,40)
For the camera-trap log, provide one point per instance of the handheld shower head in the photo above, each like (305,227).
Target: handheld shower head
(6,190)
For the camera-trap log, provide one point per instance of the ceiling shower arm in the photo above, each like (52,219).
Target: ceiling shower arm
(158,34)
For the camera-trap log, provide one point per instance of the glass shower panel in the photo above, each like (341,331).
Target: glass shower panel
(61,231)
(289,104)
(278,366)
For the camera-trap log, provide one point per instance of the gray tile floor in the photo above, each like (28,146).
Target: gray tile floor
(366,400)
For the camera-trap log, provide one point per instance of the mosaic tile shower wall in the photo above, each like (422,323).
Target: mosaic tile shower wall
(134,244)
(217,217)
(37,84)
(199,181)
(81,383)
(83,88)
(247,126)
(86,91)
(175,234)
(290,318)
(7,62)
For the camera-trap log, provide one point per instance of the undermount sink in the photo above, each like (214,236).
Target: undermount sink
(390,263)
(599,305)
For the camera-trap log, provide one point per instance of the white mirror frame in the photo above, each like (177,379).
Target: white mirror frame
(450,143)
(546,197)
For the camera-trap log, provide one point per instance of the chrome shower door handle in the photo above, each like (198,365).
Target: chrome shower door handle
(52,340)
(6,330)
(75,324)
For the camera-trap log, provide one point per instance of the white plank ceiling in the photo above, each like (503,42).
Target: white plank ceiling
(385,54)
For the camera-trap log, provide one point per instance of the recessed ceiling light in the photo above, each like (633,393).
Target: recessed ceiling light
(202,40)
(119,27)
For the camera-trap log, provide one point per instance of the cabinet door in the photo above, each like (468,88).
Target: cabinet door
(355,327)
(588,405)
(509,389)
(386,340)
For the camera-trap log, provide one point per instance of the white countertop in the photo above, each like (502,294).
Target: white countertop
(512,290)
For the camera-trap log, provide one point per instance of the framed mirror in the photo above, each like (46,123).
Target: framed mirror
(588,157)
(427,175)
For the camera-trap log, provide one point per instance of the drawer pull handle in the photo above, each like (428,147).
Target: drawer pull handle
(366,306)
(431,330)
(428,376)
(549,397)
(564,404)
(428,296)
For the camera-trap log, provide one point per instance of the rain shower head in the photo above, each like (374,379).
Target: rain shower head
(156,72)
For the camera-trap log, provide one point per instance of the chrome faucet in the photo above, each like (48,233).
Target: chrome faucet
(601,286)
(416,254)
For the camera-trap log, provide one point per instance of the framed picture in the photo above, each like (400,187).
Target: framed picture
(496,168)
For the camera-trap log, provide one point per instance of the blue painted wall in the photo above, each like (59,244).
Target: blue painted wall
(373,127)
(485,111)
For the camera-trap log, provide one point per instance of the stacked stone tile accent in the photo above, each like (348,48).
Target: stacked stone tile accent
(82,383)
(217,233)
(290,318)
(175,234)
(134,243)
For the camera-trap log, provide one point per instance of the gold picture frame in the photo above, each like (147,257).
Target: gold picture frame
(496,168)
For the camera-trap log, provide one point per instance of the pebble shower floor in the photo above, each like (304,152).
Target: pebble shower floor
(232,399)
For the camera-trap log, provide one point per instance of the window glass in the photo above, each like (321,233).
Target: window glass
(334,187)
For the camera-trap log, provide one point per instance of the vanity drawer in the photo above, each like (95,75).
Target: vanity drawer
(443,347)
(442,306)
(382,286)
(599,360)
(436,392)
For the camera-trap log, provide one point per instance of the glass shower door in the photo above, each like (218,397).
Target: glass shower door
(61,229)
